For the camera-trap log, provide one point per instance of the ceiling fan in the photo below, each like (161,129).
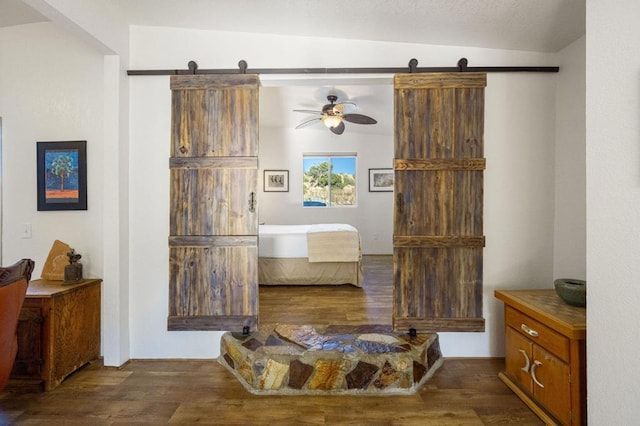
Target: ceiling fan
(333,115)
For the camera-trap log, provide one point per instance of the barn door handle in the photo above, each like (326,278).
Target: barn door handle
(252,202)
(400,202)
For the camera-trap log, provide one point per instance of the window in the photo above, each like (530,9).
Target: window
(329,180)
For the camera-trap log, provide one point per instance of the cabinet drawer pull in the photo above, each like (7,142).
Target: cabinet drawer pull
(526,359)
(530,331)
(533,373)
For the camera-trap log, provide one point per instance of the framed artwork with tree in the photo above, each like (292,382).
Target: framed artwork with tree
(62,175)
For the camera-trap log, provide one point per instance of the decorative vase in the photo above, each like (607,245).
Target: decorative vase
(73,271)
(572,291)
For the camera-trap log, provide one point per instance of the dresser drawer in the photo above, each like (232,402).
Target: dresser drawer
(538,333)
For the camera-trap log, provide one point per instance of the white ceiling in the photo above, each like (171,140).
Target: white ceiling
(538,25)
(534,25)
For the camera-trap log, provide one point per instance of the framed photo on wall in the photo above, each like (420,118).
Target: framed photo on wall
(62,175)
(380,180)
(276,181)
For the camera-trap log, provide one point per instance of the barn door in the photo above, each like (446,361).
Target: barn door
(213,253)
(438,236)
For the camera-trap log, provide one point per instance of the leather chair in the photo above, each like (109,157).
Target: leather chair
(13,289)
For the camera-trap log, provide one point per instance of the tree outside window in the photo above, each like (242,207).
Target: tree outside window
(329,181)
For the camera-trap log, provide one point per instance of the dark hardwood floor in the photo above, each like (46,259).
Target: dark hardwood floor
(187,392)
(333,304)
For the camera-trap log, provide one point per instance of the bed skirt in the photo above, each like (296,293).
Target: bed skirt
(298,271)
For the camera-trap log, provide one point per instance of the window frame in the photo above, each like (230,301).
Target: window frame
(329,156)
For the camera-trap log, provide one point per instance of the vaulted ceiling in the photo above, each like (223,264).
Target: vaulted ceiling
(540,25)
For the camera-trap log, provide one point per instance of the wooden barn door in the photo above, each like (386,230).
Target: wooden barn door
(213,253)
(438,237)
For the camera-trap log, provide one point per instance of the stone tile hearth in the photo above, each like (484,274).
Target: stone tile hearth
(292,360)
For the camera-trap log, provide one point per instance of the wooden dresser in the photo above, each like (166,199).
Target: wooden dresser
(58,332)
(545,357)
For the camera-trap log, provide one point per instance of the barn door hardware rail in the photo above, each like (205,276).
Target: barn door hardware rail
(462,66)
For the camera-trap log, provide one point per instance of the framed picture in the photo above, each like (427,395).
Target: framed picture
(62,175)
(380,180)
(276,181)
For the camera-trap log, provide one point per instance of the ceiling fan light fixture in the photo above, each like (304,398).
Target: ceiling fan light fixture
(331,121)
(333,116)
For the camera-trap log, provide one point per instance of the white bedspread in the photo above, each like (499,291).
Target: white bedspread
(319,243)
(333,242)
(287,241)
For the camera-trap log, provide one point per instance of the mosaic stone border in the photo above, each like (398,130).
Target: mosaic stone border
(299,360)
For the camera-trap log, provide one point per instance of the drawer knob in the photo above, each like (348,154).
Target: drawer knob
(530,331)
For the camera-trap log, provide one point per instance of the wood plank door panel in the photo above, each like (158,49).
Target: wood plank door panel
(210,289)
(213,197)
(214,115)
(213,255)
(438,227)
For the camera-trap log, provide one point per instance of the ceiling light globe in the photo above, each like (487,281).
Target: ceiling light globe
(331,121)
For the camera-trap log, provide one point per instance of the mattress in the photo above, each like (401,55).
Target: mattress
(283,254)
(288,241)
(335,242)
(298,271)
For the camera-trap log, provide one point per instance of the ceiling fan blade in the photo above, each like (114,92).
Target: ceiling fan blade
(339,129)
(344,107)
(359,119)
(308,111)
(308,122)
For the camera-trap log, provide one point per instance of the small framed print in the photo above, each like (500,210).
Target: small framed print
(62,175)
(276,181)
(380,180)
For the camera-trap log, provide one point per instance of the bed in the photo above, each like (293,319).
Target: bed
(309,254)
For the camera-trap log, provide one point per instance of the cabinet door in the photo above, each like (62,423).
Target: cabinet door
(518,359)
(29,360)
(550,378)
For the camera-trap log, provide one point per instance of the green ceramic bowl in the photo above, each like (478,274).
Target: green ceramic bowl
(572,291)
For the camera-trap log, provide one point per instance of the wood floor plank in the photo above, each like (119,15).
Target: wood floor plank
(333,304)
(187,392)
(465,392)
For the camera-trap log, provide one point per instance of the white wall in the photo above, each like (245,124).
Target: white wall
(570,229)
(50,90)
(613,211)
(519,181)
(519,141)
(283,148)
(518,200)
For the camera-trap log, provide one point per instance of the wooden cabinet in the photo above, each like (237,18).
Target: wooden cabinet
(545,356)
(58,332)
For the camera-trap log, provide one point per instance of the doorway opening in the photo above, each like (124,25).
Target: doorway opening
(283,147)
